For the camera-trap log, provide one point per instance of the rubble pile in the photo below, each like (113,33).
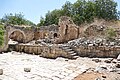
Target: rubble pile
(92,42)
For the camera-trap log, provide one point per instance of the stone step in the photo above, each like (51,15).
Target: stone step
(73,54)
(66,47)
(75,57)
(68,50)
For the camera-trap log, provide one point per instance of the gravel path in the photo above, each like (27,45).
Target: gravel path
(15,63)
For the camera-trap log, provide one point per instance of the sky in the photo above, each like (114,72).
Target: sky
(33,9)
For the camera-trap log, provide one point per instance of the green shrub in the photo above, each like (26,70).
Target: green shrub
(1,35)
(111,34)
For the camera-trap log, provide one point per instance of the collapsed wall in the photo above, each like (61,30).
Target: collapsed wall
(67,29)
(42,50)
(99,51)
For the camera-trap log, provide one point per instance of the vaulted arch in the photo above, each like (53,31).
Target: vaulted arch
(17,35)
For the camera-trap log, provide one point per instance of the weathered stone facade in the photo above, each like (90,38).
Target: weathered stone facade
(98,51)
(46,32)
(20,34)
(44,51)
(55,51)
(67,29)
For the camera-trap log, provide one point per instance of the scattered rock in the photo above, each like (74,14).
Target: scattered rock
(118,58)
(100,69)
(27,69)
(111,68)
(66,60)
(117,65)
(103,76)
(1,71)
(108,61)
(97,79)
(112,43)
(96,60)
(118,72)
(114,61)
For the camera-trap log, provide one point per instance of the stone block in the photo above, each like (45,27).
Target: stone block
(1,71)
(27,69)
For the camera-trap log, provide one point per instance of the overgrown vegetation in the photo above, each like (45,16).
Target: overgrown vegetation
(16,19)
(111,34)
(1,35)
(83,11)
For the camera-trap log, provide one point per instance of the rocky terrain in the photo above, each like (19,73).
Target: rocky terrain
(21,66)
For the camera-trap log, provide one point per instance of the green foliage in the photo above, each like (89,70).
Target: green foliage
(42,22)
(17,19)
(1,35)
(89,11)
(50,18)
(111,34)
(67,9)
(83,11)
(119,15)
(106,9)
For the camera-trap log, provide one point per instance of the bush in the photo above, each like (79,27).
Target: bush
(111,34)
(16,19)
(1,35)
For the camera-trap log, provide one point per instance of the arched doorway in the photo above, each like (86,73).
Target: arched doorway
(55,35)
(17,35)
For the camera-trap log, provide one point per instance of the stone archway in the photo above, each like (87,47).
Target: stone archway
(17,35)
(55,35)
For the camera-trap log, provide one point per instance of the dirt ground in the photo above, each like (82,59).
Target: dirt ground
(89,76)
(98,76)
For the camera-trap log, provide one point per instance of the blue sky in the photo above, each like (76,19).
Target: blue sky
(33,9)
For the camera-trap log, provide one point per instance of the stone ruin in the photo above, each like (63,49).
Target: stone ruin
(65,31)
(64,40)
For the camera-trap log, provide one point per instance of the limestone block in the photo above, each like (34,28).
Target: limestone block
(1,71)
(27,69)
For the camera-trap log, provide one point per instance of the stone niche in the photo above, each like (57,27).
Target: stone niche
(43,32)
(67,29)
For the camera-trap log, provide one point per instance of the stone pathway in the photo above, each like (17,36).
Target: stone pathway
(21,66)
(13,64)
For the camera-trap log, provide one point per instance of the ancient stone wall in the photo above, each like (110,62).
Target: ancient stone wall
(55,51)
(29,35)
(41,34)
(98,51)
(44,51)
(46,32)
(20,34)
(5,44)
(95,31)
(67,29)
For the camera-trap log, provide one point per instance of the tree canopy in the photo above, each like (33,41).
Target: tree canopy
(83,11)
(16,19)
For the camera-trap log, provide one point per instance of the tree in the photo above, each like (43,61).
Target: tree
(67,9)
(89,12)
(17,19)
(50,18)
(78,11)
(119,15)
(42,22)
(83,11)
(106,9)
